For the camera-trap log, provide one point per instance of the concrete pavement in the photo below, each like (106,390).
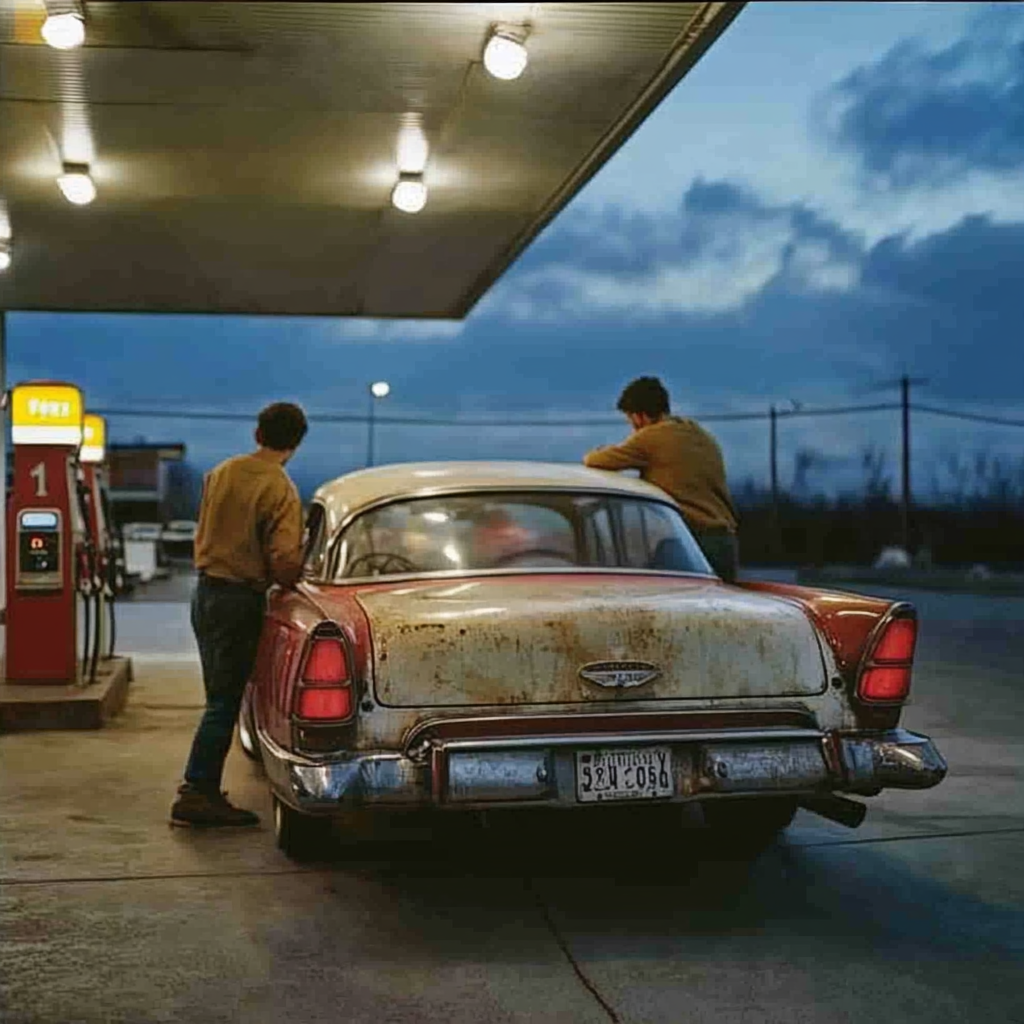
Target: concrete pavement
(109,915)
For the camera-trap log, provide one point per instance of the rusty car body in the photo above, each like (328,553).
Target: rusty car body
(499,635)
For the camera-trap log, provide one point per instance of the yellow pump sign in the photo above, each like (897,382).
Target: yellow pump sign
(94,439)
(46,414)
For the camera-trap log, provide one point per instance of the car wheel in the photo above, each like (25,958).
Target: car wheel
(301,837)
(746,825)
(247,733)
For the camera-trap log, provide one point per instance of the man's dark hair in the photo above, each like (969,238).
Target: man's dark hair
(645,395)
(281,426)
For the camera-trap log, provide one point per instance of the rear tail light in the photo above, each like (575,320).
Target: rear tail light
(885,678)
(325,704)
(326,664)
(897,642)
(324,693)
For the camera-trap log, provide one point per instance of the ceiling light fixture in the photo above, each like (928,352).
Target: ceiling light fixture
(410,193)
(76,184)
(505,56)
(413,148)
(5,256)
(64,31)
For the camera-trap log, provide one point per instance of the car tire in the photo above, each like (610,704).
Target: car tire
(747,825)
(301,837)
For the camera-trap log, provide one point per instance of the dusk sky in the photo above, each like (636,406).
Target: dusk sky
(832,197)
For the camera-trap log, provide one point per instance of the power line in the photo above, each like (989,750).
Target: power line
(834,411)
(424,421)
(972,416)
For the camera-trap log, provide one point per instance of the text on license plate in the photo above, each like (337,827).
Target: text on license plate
(624,773)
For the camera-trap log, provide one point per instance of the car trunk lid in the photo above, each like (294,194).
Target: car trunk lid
(555,639)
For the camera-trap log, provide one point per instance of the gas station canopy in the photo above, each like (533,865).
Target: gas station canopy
(244,155)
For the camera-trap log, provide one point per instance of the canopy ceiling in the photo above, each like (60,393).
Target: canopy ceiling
(244,153)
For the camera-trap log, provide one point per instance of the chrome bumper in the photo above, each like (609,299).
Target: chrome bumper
(542,771)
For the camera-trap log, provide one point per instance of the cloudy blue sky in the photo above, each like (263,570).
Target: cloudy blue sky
(834,196)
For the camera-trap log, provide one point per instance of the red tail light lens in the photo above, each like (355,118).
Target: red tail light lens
(325,703)
(325,693)
(897,643)
(888,684)
(886,677)
(326,664)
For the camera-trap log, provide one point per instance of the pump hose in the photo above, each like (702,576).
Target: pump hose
(97,631)
(112,605)
(87,633)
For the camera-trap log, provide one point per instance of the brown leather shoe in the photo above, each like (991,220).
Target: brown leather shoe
(198,808)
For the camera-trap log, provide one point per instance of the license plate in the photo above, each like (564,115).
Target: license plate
(624,773)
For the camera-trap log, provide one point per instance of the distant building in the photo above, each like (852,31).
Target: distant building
(144,482)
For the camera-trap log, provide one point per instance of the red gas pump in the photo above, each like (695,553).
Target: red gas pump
(50,561)
(108,579)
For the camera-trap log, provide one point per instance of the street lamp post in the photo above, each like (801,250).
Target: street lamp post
(377,390)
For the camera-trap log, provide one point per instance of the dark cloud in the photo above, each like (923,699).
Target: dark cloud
(928,117)
(714,253)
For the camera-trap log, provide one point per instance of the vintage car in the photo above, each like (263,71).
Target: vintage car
(486,636)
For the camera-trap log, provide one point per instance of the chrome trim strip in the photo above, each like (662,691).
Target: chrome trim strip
(638,717)
(629,739)
(554,570)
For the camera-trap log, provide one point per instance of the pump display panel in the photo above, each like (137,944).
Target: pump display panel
(39,550)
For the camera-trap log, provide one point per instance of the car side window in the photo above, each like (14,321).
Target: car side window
(598,536)
(315,547)
(671,547)
(635,542)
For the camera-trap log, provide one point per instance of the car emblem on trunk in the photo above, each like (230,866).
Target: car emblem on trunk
(620,674)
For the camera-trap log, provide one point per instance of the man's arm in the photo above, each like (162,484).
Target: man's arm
(631,454)
(284,539)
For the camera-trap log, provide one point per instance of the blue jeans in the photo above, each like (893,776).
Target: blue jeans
(722,550)
(227,619)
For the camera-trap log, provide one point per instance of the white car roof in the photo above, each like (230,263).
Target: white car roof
(349,494)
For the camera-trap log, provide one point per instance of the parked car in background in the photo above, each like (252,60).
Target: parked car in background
(488,636)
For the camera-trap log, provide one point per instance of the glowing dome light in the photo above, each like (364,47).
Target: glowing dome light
(505,57)
(380,389)
(77,185)
(5,256)
(413,149)
(410,193)
(64,31)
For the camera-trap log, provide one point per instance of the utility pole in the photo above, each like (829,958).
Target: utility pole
(906,499)
(905,488)
(377,390)
(905,384)
(369,432)
(774,464)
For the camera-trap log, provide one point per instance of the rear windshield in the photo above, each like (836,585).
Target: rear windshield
(518,531)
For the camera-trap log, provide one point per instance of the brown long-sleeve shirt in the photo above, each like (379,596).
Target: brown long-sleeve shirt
(684,460)
(250,524)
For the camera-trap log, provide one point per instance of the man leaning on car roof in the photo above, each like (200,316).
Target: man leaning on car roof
(249,538)
(684,460)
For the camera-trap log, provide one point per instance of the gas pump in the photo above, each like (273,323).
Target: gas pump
(51,562)
(108,578)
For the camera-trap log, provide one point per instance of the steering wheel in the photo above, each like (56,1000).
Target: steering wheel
(518,556)
(380,563)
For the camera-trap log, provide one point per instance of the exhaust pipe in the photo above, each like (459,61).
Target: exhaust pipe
(839,809)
